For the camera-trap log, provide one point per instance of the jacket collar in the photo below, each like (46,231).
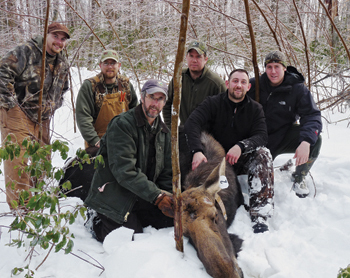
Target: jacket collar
(141,119)
(204,72)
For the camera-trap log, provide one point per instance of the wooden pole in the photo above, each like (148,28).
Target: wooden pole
(174,126)
(255,60)
(43,71)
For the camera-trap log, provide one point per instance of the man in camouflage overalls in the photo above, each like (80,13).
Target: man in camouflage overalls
(20,81)
(102,97)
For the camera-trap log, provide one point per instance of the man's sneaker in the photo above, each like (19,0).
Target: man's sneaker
(301,189)
(260,228)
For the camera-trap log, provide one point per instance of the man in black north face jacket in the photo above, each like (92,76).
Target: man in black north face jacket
(293,120)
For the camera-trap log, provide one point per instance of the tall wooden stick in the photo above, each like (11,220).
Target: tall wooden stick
(43,70)
(255,60)
(305,44)
(174,126)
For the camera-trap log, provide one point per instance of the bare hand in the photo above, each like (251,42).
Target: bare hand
(197,159)
(302,153)
(233,154)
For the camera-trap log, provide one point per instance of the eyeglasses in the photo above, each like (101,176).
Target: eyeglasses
(152,98)
(109,64)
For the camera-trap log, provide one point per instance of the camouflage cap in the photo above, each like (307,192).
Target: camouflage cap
(276,57)
(58,27)
(153,86)
(200,47)
(109,54)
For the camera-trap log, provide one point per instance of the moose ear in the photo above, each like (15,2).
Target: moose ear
(212,183)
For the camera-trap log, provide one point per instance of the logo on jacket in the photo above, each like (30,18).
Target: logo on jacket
(282,102)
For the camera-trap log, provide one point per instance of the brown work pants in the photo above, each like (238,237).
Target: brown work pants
(19,126)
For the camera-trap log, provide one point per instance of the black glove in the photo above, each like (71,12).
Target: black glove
(165,203)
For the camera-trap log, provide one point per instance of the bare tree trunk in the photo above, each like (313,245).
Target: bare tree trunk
(336,29)
(255,62)
(305,44)
(174,126)
(268,24)
(43,70)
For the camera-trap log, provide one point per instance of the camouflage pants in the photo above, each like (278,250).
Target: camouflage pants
(259,168)
(16,123)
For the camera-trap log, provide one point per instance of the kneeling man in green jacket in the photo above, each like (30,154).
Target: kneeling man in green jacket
(133,188)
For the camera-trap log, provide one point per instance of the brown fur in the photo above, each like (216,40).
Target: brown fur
(203,220)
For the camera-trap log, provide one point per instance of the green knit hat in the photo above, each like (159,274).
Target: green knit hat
(275,57)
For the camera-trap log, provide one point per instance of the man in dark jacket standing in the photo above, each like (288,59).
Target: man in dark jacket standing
(293,120)
(133,188)
(19,97)
(198,82)
(238,123)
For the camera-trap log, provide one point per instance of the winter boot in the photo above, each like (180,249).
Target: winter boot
(259,224)
(301,189)
(260,228)
(93,223)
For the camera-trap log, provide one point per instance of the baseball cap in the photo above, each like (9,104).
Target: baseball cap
(200,47)
(153,86)
(58,27)
(109,54)
(275,57)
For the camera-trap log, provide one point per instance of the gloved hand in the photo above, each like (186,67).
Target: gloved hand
(165,203)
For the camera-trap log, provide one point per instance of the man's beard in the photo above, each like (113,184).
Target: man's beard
(147,111)
(240,97)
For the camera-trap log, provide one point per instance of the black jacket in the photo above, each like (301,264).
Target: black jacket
(285,104)
(244,126)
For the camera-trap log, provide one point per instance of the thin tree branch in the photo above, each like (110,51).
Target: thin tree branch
(305,44)
(43,65)
(174,126)
(255,62)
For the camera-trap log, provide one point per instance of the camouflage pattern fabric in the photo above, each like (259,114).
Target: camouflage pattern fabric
(20,78)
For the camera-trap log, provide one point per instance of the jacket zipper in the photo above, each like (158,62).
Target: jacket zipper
(233,116)
(126,216)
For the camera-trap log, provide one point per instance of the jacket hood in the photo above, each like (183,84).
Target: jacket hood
(293,76)
(38,42)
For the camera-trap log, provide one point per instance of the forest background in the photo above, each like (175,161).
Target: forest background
(314,35)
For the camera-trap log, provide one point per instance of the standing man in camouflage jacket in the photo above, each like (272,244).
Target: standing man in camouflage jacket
(20,81)
(198,82)
(102,97)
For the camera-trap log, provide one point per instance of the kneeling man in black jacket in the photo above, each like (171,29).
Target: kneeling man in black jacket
(237,122)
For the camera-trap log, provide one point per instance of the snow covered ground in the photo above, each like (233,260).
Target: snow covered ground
(308,237)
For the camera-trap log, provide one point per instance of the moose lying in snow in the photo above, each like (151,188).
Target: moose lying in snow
(208,208)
